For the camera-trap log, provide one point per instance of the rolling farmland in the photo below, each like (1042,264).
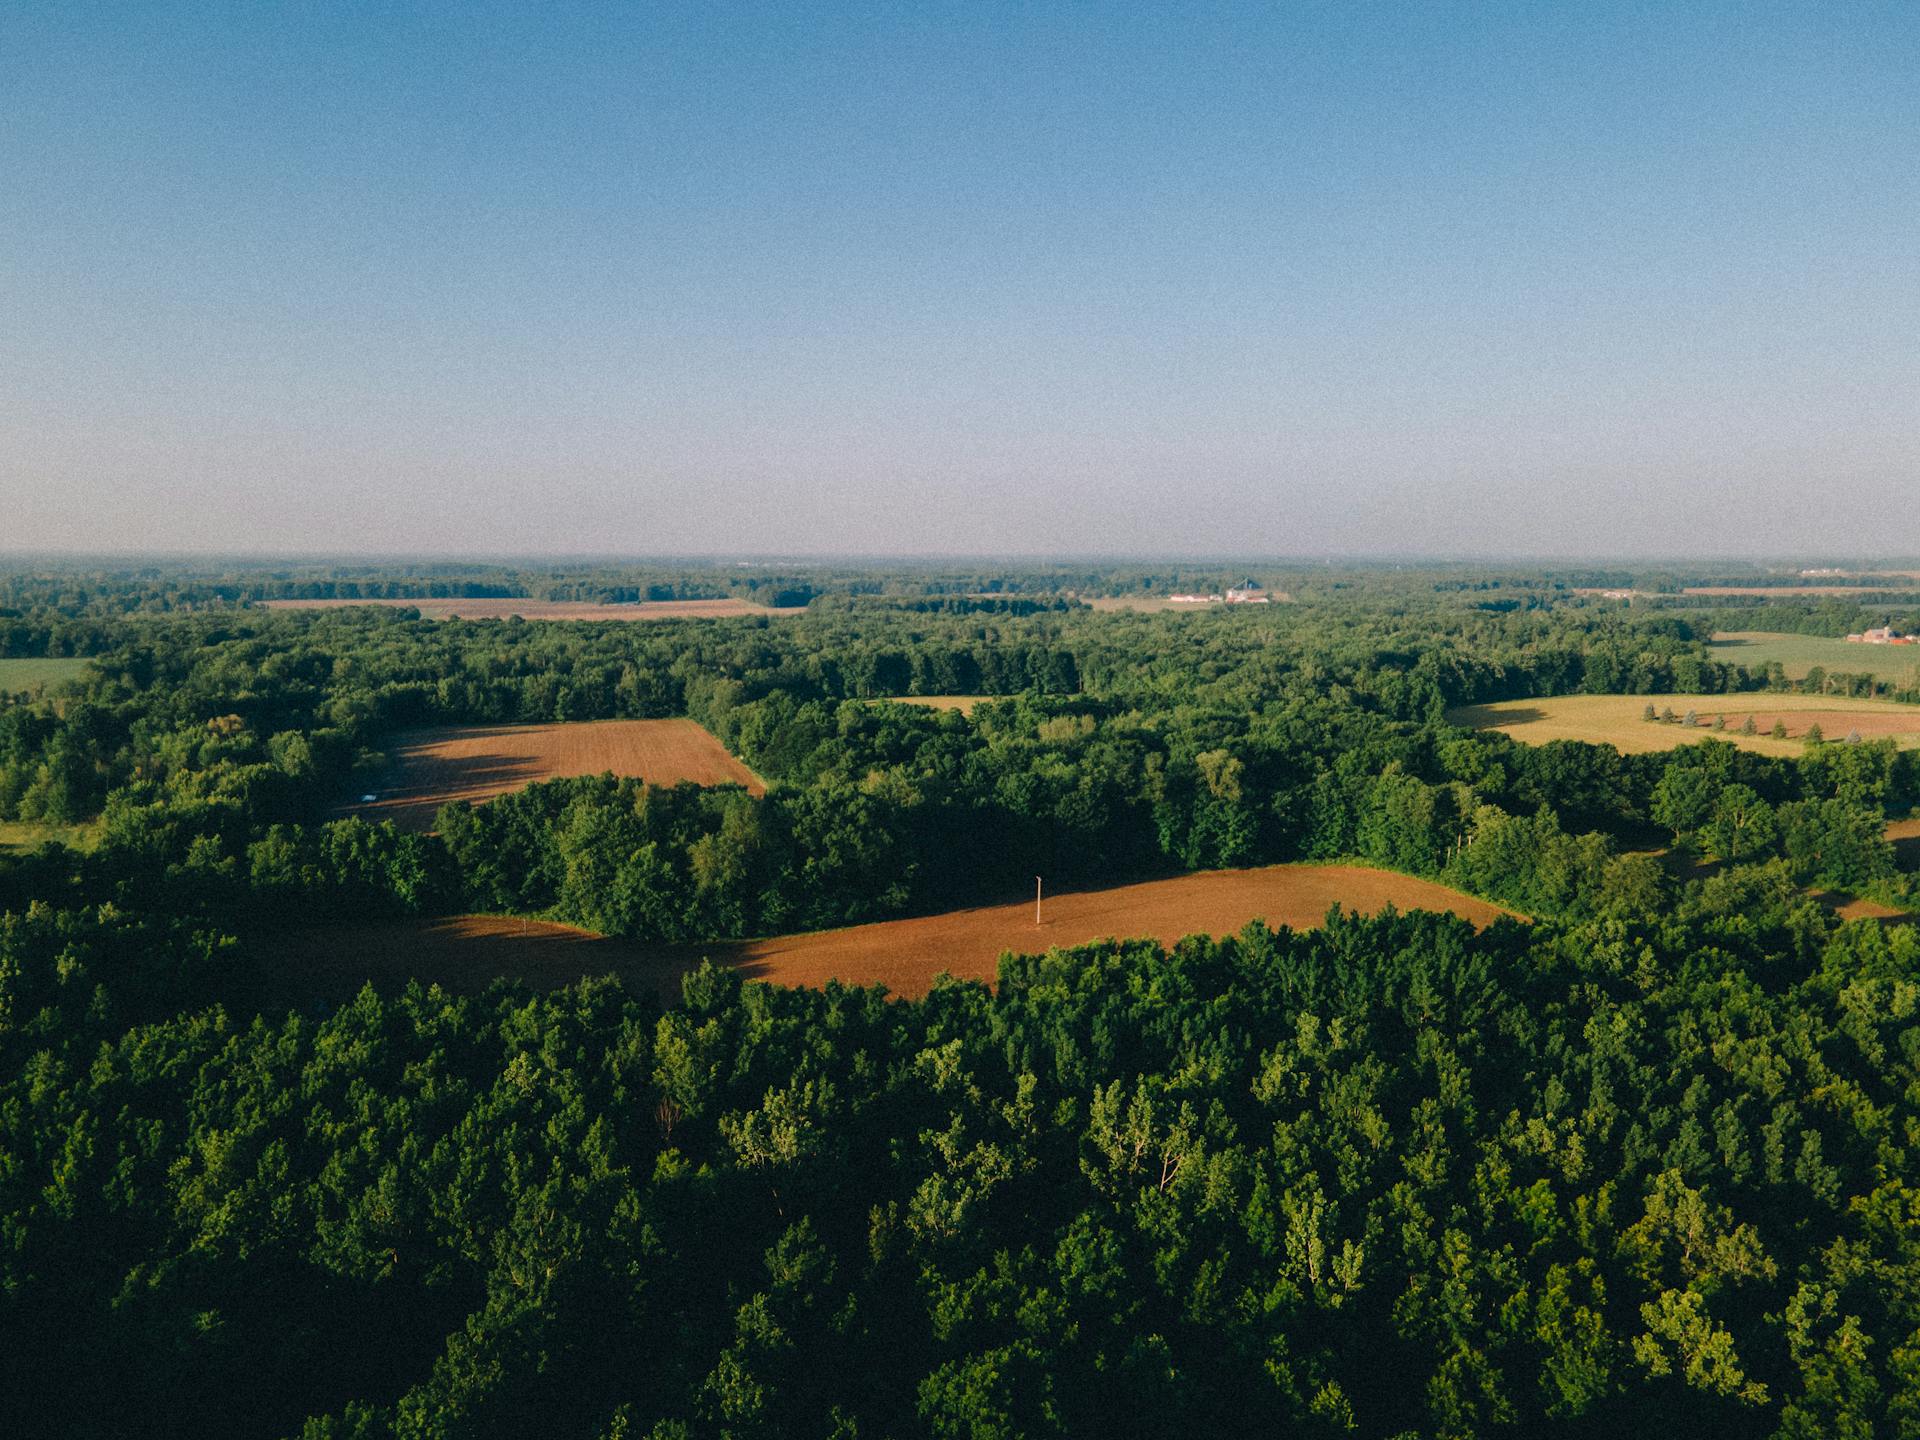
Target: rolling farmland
(469,952)
(428,768)
(1617,720)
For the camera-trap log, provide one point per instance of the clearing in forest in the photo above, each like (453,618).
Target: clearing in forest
(1161,604)
(19,676)
(496,608)
(1798,654)
(1619,720)
(427,768)
(963,703)
(25,835)
(469,952)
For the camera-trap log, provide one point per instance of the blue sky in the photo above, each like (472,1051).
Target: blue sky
(1289,279)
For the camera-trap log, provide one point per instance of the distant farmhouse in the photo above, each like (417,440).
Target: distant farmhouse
(1884,635)
(1248,593)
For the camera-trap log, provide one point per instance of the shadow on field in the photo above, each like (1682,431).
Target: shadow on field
(1905,836)
(1500,713)
(319,968)
(417,782)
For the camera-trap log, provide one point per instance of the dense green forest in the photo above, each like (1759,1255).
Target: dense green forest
(1646,1157)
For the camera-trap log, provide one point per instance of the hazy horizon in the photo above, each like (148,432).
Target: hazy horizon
(1855,564)
(1563,284)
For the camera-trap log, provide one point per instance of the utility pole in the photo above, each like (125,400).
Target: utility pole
(1036,902)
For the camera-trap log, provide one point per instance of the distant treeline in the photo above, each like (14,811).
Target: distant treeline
(1833,617)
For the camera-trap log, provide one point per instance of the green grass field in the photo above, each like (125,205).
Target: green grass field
(19,675)
(20,835)
(1800,653)
(1617,720)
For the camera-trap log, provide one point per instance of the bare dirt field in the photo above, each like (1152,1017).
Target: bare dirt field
(1617,720)
(467,953)
(905,955)
(503,609)
(428,768)
(1855,907)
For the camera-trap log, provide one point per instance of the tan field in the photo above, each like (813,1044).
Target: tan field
(1789,591)
(1854,907)
(467,953)
(428,768)
(1155,604)
(963,703)
(1617,720)
(504,609)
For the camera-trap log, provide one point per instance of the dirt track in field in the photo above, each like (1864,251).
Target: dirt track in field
(467,953)
(428,768)
(503,609)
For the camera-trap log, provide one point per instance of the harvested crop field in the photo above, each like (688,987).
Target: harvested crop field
(1617,720)
(467,953)
(505,609)
(428,768)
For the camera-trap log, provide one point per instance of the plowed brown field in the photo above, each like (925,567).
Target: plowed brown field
(428,768)
(467,953)
(502,609)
